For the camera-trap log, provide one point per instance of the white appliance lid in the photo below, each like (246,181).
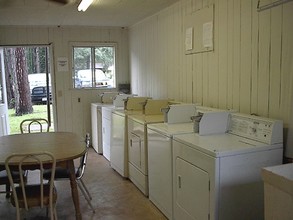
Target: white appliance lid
(171,129)
(220,145)
(147,119)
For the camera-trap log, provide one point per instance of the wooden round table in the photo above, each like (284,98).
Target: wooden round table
(65,146)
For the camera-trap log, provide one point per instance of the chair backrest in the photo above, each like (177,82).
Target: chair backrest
(22,162)
(34,125)
(83,159)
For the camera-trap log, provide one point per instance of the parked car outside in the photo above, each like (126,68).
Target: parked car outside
(38,79)
(39,95)
(84,79)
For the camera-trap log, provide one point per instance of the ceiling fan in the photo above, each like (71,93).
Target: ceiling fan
(64,2)
(13,3)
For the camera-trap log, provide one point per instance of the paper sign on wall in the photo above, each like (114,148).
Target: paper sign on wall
(62,64)
(189,39)
(199,31)
(207,34)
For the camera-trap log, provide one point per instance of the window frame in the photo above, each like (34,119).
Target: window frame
(93,45)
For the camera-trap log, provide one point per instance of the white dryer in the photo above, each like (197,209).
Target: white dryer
(106,99)
(118,103)
(119,136)
(218,177)
(106,130)
(137,142)
(160,150)
(160,163)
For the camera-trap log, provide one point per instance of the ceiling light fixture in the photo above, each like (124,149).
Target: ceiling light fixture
(84,4)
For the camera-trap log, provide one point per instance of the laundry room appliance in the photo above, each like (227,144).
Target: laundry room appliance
(160,149)
(137,142)
(106,99)
(177,120)
(118,102)
(119,135)
(218,176)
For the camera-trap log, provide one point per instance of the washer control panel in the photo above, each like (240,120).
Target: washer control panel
(261,129)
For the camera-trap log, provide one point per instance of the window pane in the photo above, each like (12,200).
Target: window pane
(104,66)
(82,63)
(82,58)
(94,67)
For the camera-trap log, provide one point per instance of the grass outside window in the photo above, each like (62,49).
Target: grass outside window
(40,111)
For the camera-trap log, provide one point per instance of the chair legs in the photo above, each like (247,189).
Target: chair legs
(85,193)
(53,213)
(85,189)
(8,190)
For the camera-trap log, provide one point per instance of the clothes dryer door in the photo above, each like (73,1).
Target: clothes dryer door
(191,193)
(106,136)
(117,149)
(135,150)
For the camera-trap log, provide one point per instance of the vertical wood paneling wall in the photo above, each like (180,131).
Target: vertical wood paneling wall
(71,114)
(250,69)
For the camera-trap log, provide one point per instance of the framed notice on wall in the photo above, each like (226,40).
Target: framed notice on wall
(189,39)
(199,31)
(62,64)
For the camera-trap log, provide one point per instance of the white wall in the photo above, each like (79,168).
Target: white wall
(250,69)
(71,114)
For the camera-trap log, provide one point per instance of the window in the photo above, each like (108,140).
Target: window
(94,66)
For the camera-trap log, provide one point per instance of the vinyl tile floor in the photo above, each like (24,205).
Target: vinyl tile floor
(113,197)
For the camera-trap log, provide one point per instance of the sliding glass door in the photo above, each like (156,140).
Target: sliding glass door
(26,83)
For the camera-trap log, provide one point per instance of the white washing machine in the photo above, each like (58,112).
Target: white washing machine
(119,135)
(106,130)
(118,103)
(219,176)
(160,163)
(137,142)
(96,119)
(160,151)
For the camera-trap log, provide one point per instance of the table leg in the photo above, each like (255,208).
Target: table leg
(74,190)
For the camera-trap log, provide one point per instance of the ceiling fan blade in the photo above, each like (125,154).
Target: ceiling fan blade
(64,2)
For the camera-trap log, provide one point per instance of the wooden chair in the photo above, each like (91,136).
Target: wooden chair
(34,125)
(42,193)
(63,174)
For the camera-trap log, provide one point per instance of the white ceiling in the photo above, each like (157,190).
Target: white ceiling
(122,13)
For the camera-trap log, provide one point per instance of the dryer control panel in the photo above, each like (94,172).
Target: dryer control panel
(261,129)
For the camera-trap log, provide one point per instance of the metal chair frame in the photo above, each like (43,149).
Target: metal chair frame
(34,121)
(79,172)
(26,195)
